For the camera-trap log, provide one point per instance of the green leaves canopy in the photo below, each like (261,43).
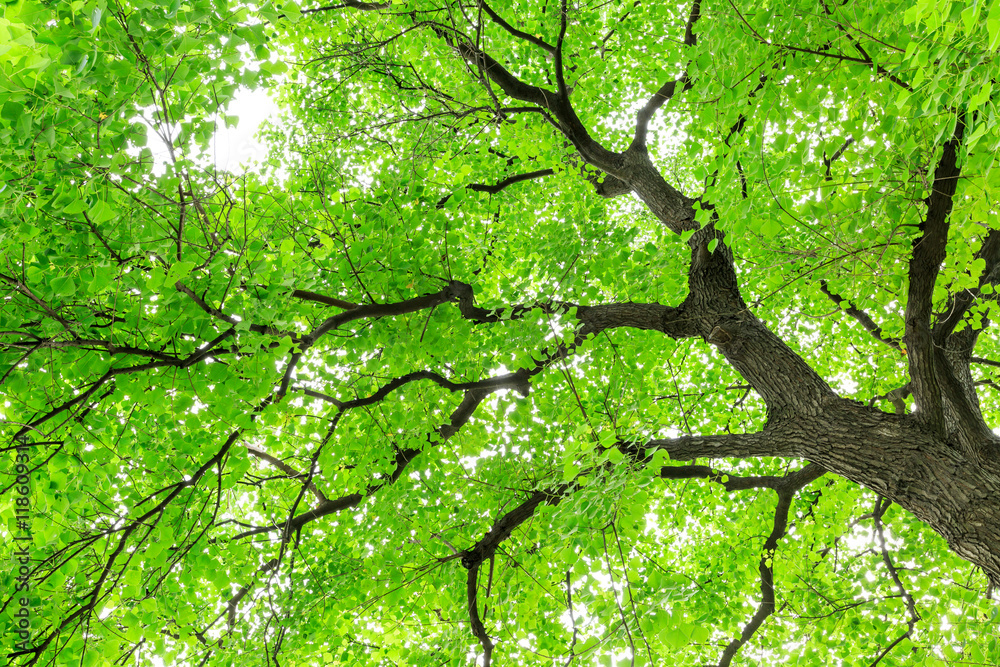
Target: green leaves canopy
(421,389)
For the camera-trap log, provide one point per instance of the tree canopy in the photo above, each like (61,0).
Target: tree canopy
(548,333)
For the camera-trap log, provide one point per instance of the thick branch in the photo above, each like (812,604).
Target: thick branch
(484,549)
(499,75)
(714,311)
(716,307)
(560,41)
(556,103)
(379,310)
(928,255)
(736,483)
(633,168)
(663,94)
(593,319)
(505,525)
(608,186)
(306,295)
(478,629)
(518,381)
(730,445)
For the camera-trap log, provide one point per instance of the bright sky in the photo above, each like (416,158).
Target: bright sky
(235,149)
(237,146)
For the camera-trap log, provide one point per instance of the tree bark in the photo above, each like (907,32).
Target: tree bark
(940,463)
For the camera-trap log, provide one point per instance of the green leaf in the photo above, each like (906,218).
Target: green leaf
(102,212)
(178,272)
(63,286)
(373,374)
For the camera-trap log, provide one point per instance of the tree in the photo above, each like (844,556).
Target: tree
(549,333)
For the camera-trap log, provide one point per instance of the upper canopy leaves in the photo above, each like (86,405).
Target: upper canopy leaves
(422,387)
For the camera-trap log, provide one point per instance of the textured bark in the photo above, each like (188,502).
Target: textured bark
(940,463)
(669,205)
(901,459)
(897,456)
(929,252)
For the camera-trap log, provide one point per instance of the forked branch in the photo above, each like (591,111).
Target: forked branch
(668,89)
(961,302)
(786,492)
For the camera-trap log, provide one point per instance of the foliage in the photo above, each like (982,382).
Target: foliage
(420,390)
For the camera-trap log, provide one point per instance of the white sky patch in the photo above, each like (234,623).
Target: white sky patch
(233,149)
(237,148)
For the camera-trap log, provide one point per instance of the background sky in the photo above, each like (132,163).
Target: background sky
(233,149)
(237,146)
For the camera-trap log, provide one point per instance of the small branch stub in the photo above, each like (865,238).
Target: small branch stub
(719,336)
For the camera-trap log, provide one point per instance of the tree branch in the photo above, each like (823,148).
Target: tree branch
(306,295)
(881,506)
(668,89)
(731,482)
(474,394)
(730,445)
(537,41)
(26,291)
(560,40)
(960,303)
(928,254)
(478,629)
(498,74)
(90,344)
(350,4)
(828,161)
(287,469)
(510,180)
(861,316)
(865,60)
(195,357)
(556,103)
(229,319)
(474,556)
(786,492)
(415,304)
